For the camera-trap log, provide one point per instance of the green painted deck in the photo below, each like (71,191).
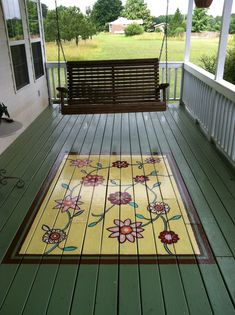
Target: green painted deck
(133,289)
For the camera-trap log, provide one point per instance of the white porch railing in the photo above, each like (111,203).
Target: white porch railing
(174,77)
(212,104)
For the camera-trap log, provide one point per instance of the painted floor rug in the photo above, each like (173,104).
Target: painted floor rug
(109,209)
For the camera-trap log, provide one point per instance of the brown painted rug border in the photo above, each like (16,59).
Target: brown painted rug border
(13,257)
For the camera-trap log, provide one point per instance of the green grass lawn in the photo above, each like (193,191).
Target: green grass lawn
(108,46)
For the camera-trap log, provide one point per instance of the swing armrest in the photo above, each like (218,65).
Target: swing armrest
(62,91)
(163,87)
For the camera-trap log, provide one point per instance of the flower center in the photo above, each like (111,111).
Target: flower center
(126,230)
(67,202)
(168,237)
(55,236)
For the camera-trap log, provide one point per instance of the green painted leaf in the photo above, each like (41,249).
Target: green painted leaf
(99,165)
(113,182)
(176,217)
(157,185)
(154,173)
(133,204)
(139,216)
(78,213)
(69,248)
(92,224)
(65,186)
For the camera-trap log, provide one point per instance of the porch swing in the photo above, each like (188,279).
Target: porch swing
(112,86)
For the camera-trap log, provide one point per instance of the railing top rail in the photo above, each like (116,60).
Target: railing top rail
(171,64)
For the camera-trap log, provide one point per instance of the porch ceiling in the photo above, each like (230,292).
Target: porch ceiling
(96,288)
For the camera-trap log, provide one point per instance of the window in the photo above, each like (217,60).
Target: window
(20,65)
(34,29)
(13,19)
(15,31)
(37,59)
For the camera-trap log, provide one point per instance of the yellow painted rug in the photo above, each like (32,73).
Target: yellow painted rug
(106,205)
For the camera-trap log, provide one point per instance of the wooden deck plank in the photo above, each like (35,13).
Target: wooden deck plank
(225,197)
(107,281)
(121,289)
(20,166)
(33,306)
(174,269)
(84,296)
(211,154)
(227,268)
(41,123)
(212,197)
(218,244)
(129,281)
(26,270)
(212,289)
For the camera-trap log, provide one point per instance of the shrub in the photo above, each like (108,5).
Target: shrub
(209,64)
(158,30)
(134,29)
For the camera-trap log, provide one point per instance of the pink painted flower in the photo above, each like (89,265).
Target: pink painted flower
(121,164)
(68,203)
(80,163)
(158,207)
(92,180)
(141,179)
(119,198)
(53,236)
(152,160)
(126,230)
(168,237)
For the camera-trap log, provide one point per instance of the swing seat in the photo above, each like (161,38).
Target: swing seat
(113,86)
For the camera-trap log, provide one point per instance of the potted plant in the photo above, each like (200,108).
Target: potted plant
(4,111)
(203,3)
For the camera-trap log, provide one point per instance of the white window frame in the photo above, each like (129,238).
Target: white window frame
(35,40)
(12,43)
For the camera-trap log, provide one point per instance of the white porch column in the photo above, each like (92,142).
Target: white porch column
(188,30)
(223,39)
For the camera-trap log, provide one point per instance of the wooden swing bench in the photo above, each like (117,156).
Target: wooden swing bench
(113,86)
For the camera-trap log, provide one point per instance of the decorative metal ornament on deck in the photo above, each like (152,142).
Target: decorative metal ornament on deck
(105,210)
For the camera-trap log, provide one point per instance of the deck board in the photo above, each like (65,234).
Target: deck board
(120,288)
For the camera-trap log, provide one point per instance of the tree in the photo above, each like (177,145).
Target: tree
(105,11)
(44,10)
(137,9)
(177,24)
(232,24)
(200,20)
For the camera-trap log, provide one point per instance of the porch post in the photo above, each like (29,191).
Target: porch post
(223,39)
(188,31)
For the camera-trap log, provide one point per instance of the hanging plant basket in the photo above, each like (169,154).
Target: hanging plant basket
(203,3)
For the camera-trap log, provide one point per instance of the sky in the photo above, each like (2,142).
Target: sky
(157,7)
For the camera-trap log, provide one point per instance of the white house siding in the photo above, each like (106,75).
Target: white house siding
(26,104)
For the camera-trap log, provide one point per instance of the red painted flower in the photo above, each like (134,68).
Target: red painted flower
(168,237)
(119,198)
(80,163)
(53,236)
(141,179)
(126,230)
(158,207)
(68,203)
(152,160)
(92,180)
(120,164)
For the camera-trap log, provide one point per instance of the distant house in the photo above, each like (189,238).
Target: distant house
(118,26)
(160,26)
